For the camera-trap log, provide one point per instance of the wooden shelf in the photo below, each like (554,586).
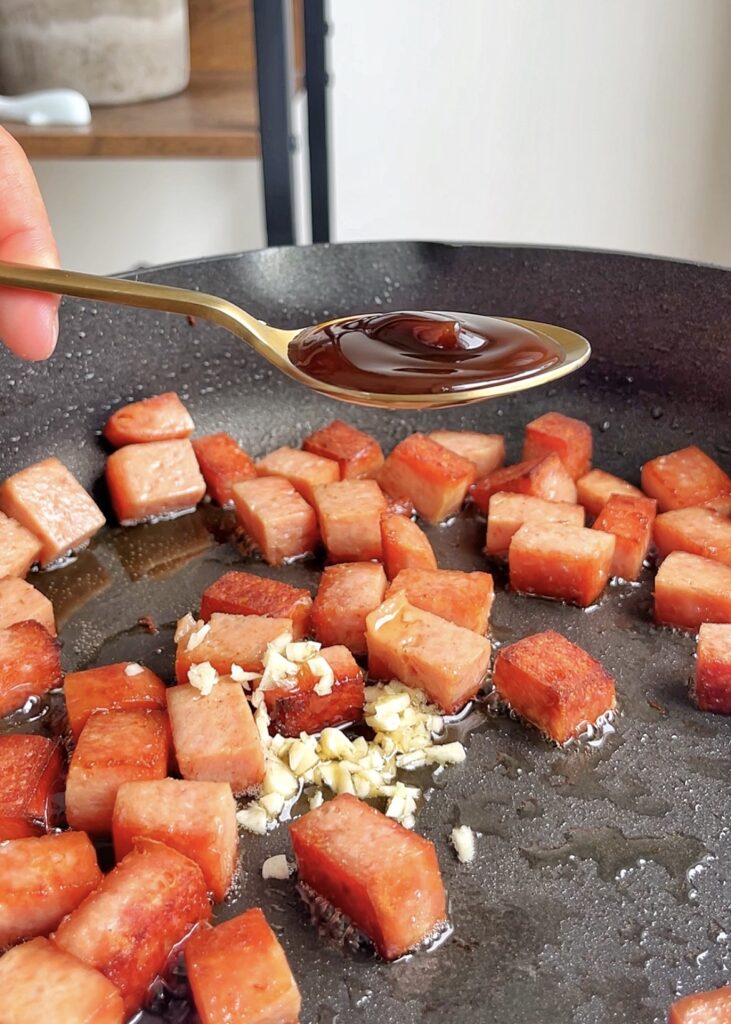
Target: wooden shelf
(217,116)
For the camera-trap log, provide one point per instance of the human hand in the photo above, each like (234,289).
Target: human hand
(28,320)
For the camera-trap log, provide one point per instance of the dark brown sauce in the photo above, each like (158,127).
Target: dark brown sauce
(410,353)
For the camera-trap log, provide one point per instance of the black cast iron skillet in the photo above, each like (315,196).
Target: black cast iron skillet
(602,882)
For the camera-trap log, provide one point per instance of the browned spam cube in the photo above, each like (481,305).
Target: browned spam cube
(357,454)
(215,736)
(124,686)
(20,602)
(542,478)
(30,664)
(158,418)
(507,512)
(553,684)
(128,927)
(238,971)
(569,438)
(114,747)
(223,463)
(197,818)
(301,708)
(700,531)
(712,1007)
(433,477)
(382,876)
(304,470)
(243,593)
(712,683)
(405,545)
(31,780)
(277,518)
(39,981)
(227,640)
(629,520)
(464,598)
(595,488)
(48,500)
(43,878)
(446,661)
(148,481)
(346,595)
(487,451)
(19,548)
(566,563)
(349,513)
(684,478)
(690,590)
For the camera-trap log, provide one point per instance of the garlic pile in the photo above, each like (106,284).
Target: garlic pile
(404,724)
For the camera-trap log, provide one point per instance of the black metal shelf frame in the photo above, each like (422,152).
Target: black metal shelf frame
(275,85)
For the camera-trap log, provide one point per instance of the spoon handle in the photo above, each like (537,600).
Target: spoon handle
(144,295)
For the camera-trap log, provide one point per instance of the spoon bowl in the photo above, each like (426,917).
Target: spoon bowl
(274,343)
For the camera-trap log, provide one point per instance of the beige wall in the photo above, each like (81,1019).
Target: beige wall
(111,215)
(574,122)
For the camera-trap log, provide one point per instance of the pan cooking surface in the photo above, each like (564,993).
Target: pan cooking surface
(602,880)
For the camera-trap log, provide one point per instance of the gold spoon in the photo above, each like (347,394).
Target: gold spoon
(273,343)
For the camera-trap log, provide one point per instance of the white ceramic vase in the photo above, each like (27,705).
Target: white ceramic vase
(112,51)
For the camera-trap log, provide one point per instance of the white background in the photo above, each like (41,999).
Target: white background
(602,123)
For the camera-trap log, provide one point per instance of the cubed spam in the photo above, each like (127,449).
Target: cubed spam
(385,878)
(553,684)
(447,662)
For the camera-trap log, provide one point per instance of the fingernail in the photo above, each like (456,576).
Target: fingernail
(54,331)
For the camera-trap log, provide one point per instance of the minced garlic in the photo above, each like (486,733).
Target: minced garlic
(283,660)
(238,675)
(203,677)
(463,841)
(184,627)
(253,818)
(405,727)
(303,755)
(322,669)
(276,867)
(133,669)
(197,636)
(445,753)
(279,779)
(302,650)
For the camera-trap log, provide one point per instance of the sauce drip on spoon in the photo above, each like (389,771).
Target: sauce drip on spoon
(411,353)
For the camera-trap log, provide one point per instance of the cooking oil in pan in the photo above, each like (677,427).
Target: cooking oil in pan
(613,853)
(120,600)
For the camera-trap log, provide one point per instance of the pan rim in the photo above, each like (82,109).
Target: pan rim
(438,243)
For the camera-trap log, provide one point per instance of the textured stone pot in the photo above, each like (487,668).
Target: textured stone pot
(113,51)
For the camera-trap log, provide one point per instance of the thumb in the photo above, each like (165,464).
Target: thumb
(28,320)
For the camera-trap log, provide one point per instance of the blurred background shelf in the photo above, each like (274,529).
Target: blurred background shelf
(253,62)
(216,116)
(526,138)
